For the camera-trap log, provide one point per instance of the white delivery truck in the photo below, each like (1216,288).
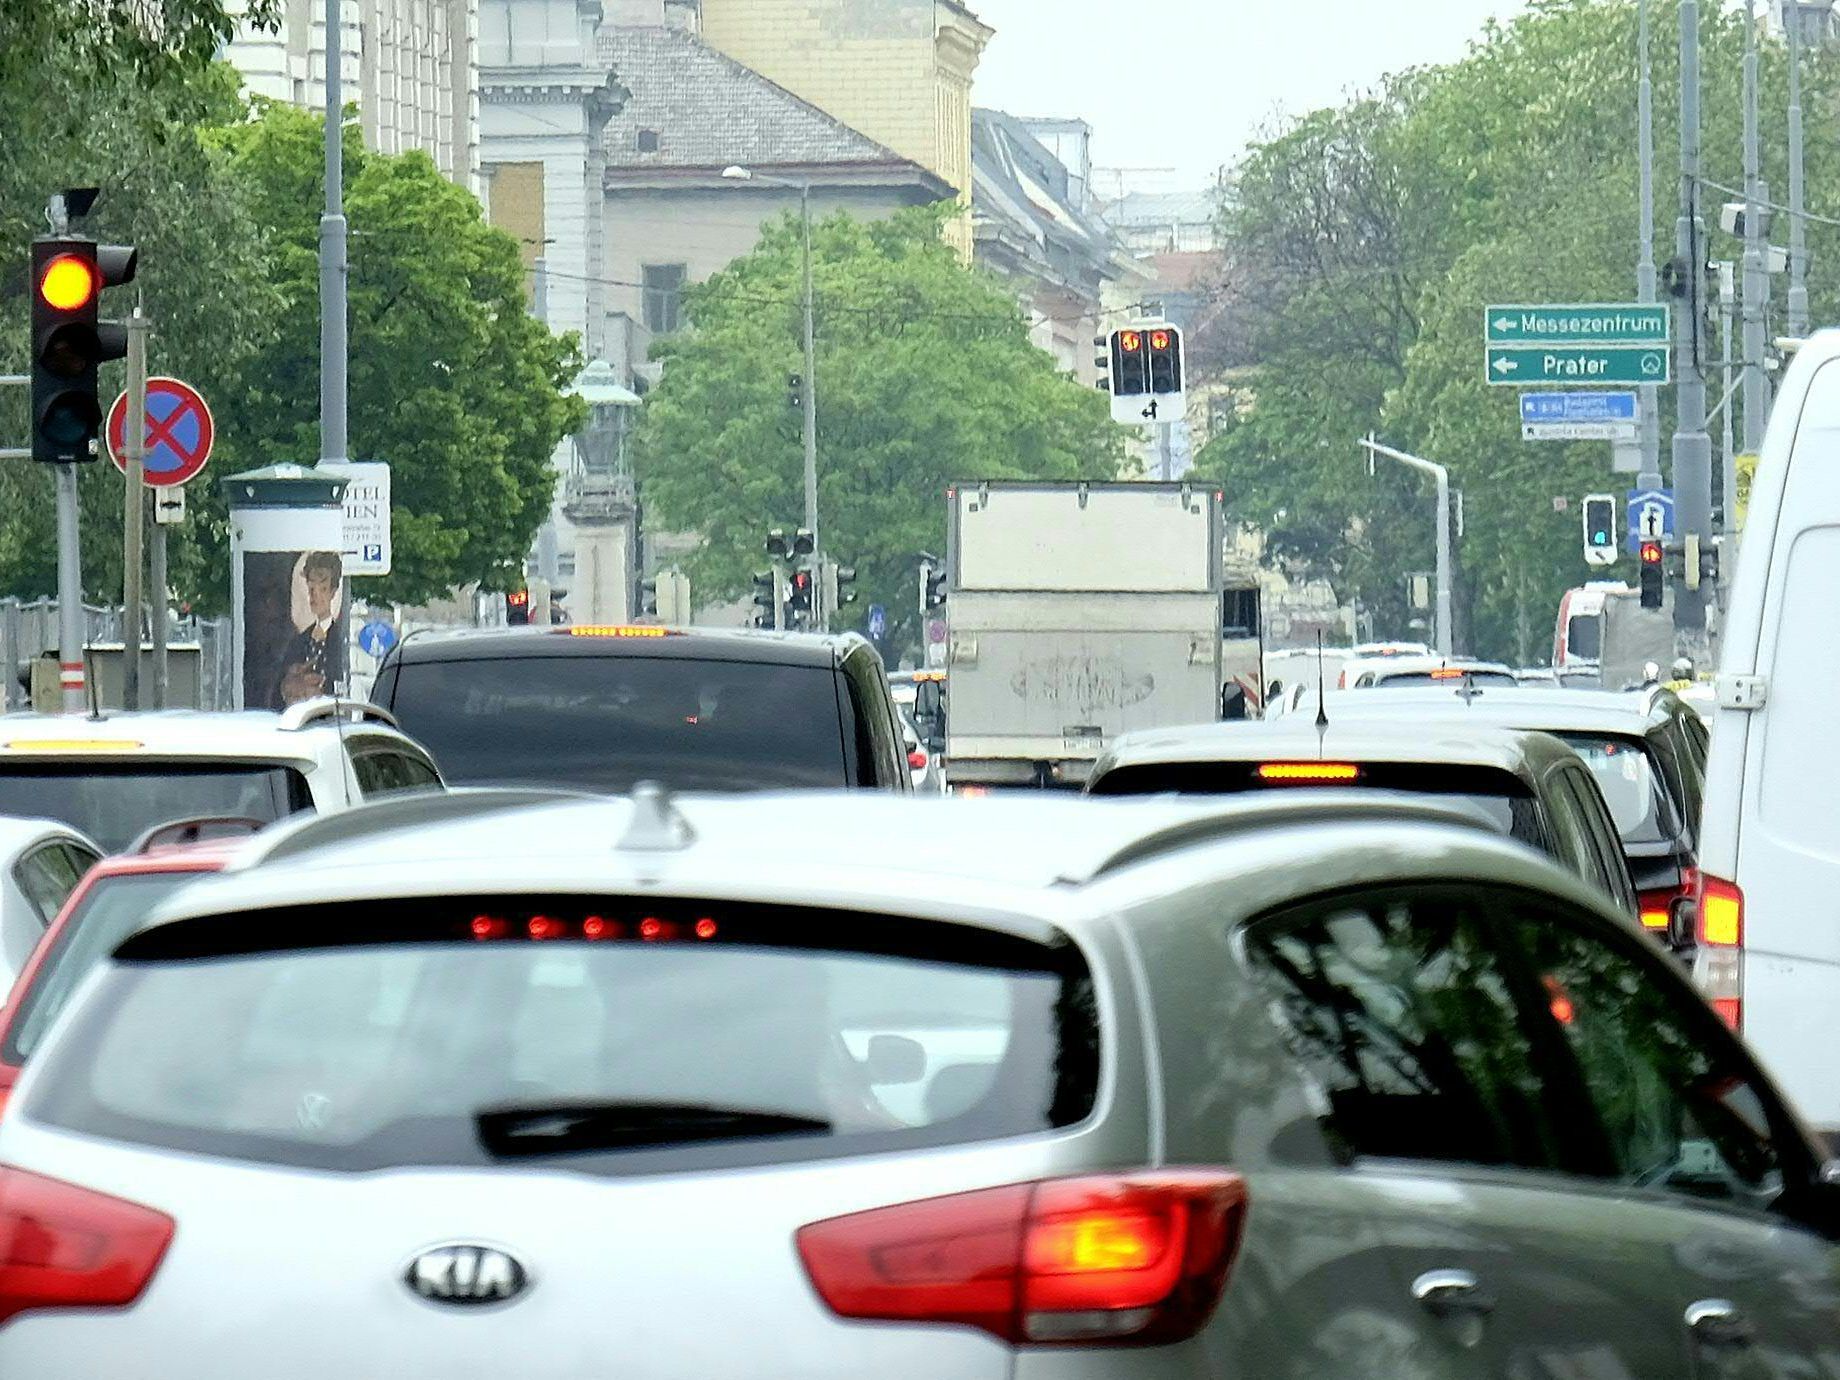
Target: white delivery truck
(1076,612)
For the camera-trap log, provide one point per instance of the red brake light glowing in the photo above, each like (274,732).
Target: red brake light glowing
(546,927)
(1133,1258)
(705,928)
(917,760)
(652,928)
(62,1246)
(489,927)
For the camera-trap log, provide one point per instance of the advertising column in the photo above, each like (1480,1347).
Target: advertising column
(290,605)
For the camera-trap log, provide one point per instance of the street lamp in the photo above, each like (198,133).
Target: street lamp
(736,173)
(1442,475)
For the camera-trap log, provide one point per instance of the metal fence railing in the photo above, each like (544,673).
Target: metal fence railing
(29,629)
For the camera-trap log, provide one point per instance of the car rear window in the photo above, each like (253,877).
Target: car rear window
(604,723)
(116,802)
(680,1037)
(1499,797)
(1404,679)
(109,911)
(1630,784)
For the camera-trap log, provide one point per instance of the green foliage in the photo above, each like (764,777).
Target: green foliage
(1366,242)
(925,375)
(451,380)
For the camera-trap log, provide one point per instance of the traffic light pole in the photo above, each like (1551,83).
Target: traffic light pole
(70,593)
(332,254)
(1442,475)
(1692,454)
(133,509)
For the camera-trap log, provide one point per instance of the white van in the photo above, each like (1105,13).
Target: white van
(1769,915)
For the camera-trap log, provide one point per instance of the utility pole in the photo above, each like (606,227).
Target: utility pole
(332,257)
(1798,228)
(133,508)
(1442,476)
(158,601)
(1756,278)
(1692,445)
(1728,468)
(1650,477)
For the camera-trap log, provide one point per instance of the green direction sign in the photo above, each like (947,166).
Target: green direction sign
(1587,324)
(1529,366)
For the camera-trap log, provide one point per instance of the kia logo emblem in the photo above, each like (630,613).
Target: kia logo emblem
(466,1274)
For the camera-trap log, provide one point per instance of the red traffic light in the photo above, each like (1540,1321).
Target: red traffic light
(1159,340)
(1651,553)
(518,598)
(1130,341)
(68,283)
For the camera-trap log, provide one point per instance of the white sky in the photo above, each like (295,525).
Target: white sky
(1184,84)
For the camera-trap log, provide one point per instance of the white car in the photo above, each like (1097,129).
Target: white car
(1769,937)
(115,777)
(41,862)
(1369,673)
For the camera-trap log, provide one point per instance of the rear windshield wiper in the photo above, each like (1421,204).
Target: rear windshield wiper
(569,1128)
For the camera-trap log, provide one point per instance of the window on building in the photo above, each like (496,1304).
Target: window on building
(648,141)
(664,298)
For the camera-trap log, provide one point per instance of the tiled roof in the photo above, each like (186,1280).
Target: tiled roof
(1164,208)
(1023,196)
(708,111)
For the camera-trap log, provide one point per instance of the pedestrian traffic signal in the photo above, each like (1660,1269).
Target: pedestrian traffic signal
(838,580)
(517,608)
(68,276)
(1654,574)
(1165,352)
(933,588)
(1600,534)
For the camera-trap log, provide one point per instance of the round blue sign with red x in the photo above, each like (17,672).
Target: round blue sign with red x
(178,437)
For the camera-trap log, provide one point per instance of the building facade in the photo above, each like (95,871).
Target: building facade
(411,67)
(898,71)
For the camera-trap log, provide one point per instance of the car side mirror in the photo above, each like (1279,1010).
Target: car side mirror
(895,1059)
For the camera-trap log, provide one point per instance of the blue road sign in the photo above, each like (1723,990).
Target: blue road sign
(376,638)
(1651,516)
(1537,408)
(878,622)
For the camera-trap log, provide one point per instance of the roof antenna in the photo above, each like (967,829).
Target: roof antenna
(1469,693)
(338,729)
(656,826)
(1322,713)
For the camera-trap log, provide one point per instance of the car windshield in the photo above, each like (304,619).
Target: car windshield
(605,723)
(1403,679)
(115,802)
(110,910)
(650,1048)
(1630,784)
(1584,637)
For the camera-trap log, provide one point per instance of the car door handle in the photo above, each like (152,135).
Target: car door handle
(1444,1293)
(1719,1322)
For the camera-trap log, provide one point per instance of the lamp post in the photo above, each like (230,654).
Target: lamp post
(1800,17)
(1442,476)
(810,391)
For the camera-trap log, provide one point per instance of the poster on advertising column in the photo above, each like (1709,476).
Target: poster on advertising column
(294,627)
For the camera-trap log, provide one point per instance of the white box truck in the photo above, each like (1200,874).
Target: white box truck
(1076,612)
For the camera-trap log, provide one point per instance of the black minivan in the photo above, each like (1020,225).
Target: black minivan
(602,708)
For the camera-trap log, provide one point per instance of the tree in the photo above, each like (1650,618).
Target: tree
(925,375)
(451,379)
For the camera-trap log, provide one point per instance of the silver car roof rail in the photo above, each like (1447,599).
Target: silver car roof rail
(1262,811)
(312,833)
(326,708)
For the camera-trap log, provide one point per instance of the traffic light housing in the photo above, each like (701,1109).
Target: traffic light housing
(1130,363)
(1600,534)
(1654,574)
(1165,354)
(795,392)
(933,588)
(70,341)
(648,596)
(766,600)
(517,608)
(798,597)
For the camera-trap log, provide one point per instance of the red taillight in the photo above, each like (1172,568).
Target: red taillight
(917,760)
(1138,1258)
(1718,967)
(67,1247)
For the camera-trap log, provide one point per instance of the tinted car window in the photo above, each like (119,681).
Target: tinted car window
(47,875)
(111,910)
(1604,865)
(1404,1013)
(1404,679)
(115,802)
(387,771)
(677,1051)
(1584,637)
(1676,1108)
(604,723)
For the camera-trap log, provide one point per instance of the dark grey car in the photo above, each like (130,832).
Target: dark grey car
(1528,784)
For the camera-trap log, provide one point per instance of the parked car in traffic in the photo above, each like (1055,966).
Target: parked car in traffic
(41,862)
(1769,942)
(1528,784)
(1285,1086)
(112,901)
(601,708)
(1395,672)
(926,768)
(1645,748)
(114,777)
